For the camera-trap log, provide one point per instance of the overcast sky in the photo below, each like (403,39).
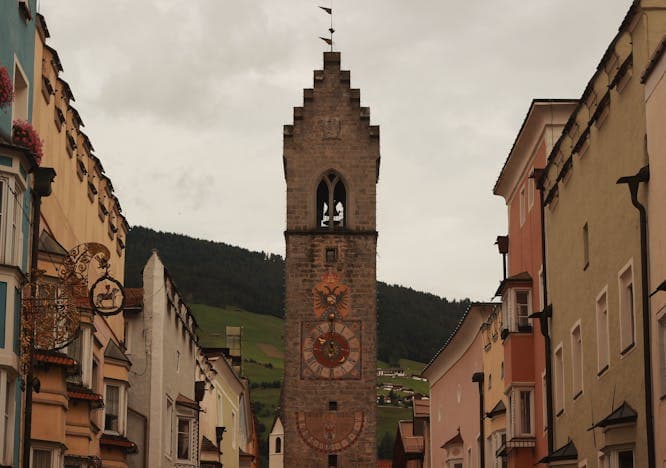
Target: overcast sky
(184,101)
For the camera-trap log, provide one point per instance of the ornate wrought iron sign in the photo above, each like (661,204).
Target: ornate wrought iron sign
(107,296)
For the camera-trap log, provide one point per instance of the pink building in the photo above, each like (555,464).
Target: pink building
(521,290)
(455,429)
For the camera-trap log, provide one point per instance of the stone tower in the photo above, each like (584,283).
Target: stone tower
(331,164)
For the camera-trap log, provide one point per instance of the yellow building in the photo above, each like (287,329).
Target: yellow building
(228,435)
(654,78)
(495,400)
(600,351)
(80,414)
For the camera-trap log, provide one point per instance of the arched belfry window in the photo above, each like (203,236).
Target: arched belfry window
(278,445)
(331,202)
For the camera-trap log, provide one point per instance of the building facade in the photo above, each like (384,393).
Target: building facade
(654,78)
(84,386)
(162,342)
(523,339)
(456,438)
(331,162)
(495,401)
(602,389)
(17,32)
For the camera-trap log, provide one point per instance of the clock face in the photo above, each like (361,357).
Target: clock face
(331,350)
(330,431)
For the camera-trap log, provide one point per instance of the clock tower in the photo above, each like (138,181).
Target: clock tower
(331,165)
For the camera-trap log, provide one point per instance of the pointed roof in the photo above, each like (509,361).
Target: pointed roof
(48,244)
(521,279)
(623,414)
(113,351)
(456,439)
(498,409)
(566,452)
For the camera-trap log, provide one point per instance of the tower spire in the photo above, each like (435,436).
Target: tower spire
(329,40)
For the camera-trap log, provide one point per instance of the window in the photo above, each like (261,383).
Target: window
(112,408)
(494,444)
(220,412)
(332,405)
(559,380)
(522,206)
(603,350)
(41,458)
(577,360)
(332,461)
(168,428)
(331,255)
(184,438)
(522,309)
(521,412)
(530,193)
(331,202)
(11,212)
(627,315)
(20,108)
(544,403)
(542,288)
(45,455)
(661,336)
(115,408)
(586,247)
(490,381)
(7,417)
(619,458)
(278,445)
(233,428)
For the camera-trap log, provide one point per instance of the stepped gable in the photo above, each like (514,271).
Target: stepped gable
(345,117)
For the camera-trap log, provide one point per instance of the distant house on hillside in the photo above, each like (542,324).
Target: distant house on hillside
(390,372)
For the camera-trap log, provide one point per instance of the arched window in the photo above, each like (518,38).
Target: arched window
(331,202)
(278,445)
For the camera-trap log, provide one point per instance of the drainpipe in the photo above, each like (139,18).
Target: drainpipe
(546,313)
(42,179)
(643,175)
(478,378)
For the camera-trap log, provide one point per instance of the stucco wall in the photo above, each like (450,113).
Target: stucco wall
(655,95)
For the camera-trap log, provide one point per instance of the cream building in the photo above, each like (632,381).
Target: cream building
(162,344)
(594,260)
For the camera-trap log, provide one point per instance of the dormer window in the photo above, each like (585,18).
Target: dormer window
(331,202)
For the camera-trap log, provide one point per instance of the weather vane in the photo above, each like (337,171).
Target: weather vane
(327,40)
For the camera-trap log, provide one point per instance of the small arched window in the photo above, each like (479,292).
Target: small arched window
(278,445)
(331,202)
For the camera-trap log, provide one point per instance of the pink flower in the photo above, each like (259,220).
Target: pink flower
(6,88)
(25,135)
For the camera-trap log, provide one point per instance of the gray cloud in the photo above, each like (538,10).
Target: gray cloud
(185,101)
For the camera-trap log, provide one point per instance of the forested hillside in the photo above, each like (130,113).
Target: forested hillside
(412,324)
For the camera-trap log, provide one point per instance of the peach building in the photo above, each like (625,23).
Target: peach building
(654,78)
(455,428)
(524,343)
(79,416)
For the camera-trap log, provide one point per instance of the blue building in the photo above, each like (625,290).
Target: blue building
(17,51)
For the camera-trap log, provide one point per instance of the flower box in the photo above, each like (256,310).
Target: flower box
(25,135)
